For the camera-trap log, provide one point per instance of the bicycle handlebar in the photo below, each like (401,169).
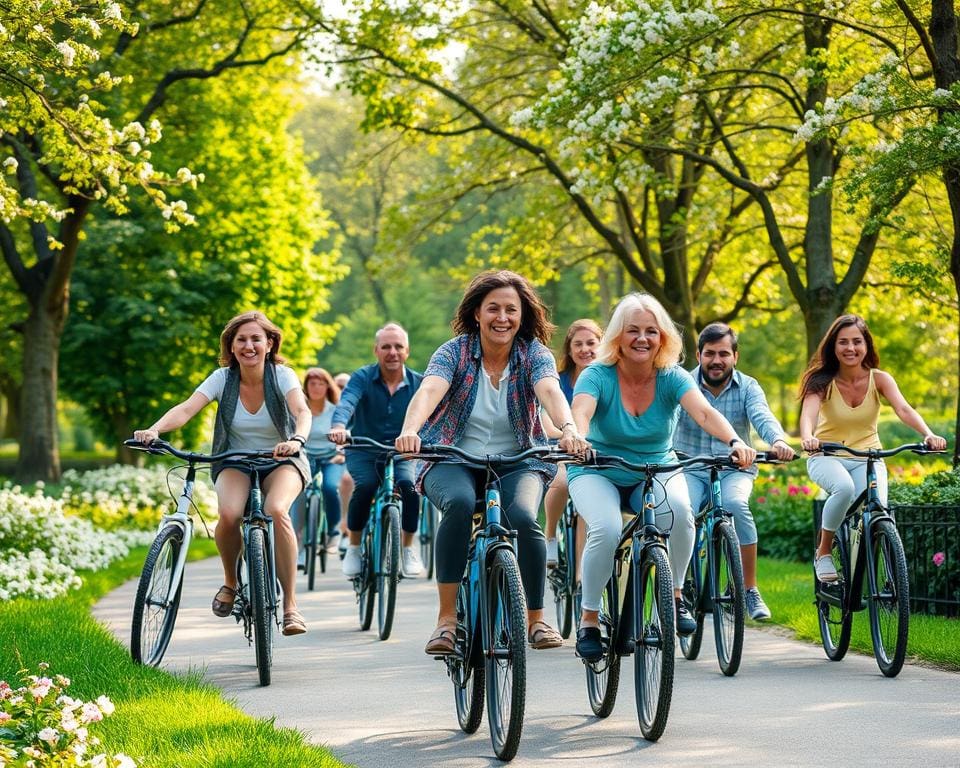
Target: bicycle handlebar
(543,452)
(159,447)
(831,449)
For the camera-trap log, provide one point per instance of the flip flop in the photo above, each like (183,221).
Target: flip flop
(541,635)
(220,607)
(442,642)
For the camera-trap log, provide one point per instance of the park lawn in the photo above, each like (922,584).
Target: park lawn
(160,720)
(787,588)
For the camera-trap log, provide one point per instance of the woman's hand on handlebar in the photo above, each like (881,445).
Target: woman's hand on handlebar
(573,442)
(145,436)
(935,442)
(286,448)
(810,444)
(407,442)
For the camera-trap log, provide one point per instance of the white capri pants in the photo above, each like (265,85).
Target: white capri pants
(597,500)
(843,478)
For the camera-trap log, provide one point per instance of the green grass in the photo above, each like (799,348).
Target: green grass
(161,720)
(788,590)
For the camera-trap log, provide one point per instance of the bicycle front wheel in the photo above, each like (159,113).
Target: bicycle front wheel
(365,584)
(158,600)
(603,677)
(506,663)
(563,580)
(389,573)
(257,560)
(466,671)
(693,584)
(726,585)
(890,607)
(428,534)
(653,616)
(310,538)
(833,615)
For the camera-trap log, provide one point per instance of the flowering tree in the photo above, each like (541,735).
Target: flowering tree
(63,154)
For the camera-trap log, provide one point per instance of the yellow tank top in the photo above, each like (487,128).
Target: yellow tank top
(854,427)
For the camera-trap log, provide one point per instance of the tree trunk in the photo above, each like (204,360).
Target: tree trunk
(39,457)
(12,394)
(123,430)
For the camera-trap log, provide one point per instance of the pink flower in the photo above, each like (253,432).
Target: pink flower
(761,499)
(939,559)
(793,490)
(775,491)
(805,490)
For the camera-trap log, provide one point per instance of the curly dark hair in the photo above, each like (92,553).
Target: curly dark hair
(824,364)
(534,323)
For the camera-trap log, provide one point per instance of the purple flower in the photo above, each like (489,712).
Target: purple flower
(939,559)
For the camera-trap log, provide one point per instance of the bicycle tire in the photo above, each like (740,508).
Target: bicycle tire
(310,538)
(466,670)
(835,622)
(890,608)
(365,583)
(729,608)
(566,578)
(389,572)
(257,562)
(694,585)
(428,534)
(506,664)
(153,616)
(654,629)
(603,677)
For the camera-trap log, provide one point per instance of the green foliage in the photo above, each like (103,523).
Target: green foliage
(782,510)
(937,488)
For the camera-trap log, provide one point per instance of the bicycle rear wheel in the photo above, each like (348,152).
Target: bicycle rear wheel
(466,671)
(834,616)
(310,538)
(653,629)
(257,562)
(603,677)
(890,607)
(158,600)
(389,573)
(428,534)
(693,587)
(506,671)
(726,583)
(564,578)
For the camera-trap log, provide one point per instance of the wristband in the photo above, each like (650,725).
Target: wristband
(567,424)
(735,440)
(300,439)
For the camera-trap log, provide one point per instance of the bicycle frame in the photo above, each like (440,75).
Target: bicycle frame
(255,516)
(181,518)
(386,494)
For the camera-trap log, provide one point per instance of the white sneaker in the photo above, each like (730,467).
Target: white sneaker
(333,543)
(826,571)
(412,564)
(553,552)
(352,565)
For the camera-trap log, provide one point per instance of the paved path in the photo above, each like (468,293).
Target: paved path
(388,705)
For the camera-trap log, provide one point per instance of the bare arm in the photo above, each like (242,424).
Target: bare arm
(584,406)
(714,423)
(300,411)
(887,386)
(809,412)
(550,395)
(173,419)
(422,404)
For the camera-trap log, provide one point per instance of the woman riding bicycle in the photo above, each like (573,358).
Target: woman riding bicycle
(628,404)
(579,350)
(322,395)
(261,407)
(841,391)
(480,392)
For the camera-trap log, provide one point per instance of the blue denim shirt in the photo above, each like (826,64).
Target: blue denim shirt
(367,401)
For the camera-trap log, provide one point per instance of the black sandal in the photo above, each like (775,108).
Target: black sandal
(220,607)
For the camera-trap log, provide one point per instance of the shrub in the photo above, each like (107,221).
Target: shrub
(936,488)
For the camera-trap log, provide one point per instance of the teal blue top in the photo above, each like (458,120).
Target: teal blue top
(643,439)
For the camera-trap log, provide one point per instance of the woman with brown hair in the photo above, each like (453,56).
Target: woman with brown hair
(261,407)
(482,391)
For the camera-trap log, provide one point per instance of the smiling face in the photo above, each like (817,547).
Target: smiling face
(641,338)
(499,315)
(717,361)
(583,347)
(850,347)
(251,345)
(391,349)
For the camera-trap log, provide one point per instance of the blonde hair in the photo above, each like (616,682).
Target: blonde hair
(671,347)
(566,359)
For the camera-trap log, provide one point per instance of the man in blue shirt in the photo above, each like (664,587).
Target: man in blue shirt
(375,401)
(741,400)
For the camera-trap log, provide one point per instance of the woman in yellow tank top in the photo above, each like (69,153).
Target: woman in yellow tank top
(841,391)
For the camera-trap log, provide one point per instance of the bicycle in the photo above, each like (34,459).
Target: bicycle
(429,520)
(641,582)
(379,547)
(491,638)
(315,534)
(713,582)
(867,540)
(563,577)
(161,580)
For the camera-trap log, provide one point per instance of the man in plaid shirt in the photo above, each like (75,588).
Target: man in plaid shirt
(741,400)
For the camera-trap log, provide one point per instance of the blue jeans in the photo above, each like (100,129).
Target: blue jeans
(329,490)
(366,468)
(735,490)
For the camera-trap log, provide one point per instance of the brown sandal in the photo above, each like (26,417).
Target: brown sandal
(541,635)
(293,623)
(220,607)
(442,642)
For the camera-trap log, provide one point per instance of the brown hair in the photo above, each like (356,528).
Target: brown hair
(230,333)
(333,391)
(824,364)
(534,323)
(584,324)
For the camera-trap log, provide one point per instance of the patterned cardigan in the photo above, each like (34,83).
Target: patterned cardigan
(458,362)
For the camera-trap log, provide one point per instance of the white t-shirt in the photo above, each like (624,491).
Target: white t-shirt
(488,428)
(250,431)
(317,442)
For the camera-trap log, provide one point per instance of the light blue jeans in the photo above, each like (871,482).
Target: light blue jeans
(843,479)
(598,502)
(735,490)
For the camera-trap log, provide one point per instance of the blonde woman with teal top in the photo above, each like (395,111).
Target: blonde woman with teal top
(628,403)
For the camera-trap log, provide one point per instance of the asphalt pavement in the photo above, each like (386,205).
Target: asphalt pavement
(388,705)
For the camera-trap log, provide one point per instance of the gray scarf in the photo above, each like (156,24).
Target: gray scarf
(276,406)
